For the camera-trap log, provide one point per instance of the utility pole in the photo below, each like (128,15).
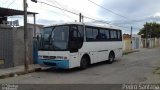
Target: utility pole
(131,37)
(80,17)
(146,37)
(25,36)
(34,15)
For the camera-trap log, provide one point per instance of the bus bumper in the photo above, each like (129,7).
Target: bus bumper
(61,64)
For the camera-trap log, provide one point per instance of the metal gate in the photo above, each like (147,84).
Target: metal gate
(6,47)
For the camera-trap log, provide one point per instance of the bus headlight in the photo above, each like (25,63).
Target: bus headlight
(61,57)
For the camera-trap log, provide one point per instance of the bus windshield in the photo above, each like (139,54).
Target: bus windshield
(55,38)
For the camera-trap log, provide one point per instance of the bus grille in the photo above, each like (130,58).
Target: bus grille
(49,57)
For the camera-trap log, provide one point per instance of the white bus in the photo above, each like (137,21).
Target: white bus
(72,45)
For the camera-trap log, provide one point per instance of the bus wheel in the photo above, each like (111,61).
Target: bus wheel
(111,58)
(84,63)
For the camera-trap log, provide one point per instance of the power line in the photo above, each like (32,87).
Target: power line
(11,3)
(4,2)
(112,12)
(61,7)
(55,12)
(71,8)
(58,8)
(138,21)
(65,7)
(71,12)
(108,9)
(78,14)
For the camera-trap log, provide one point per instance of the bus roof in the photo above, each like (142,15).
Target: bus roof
(88,24)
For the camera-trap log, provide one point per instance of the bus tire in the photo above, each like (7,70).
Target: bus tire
(84,63)
(111,58)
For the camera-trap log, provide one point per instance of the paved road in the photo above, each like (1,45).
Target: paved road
(136,67)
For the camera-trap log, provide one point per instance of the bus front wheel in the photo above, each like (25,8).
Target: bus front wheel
(84,63)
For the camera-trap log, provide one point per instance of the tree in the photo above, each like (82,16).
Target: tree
(150,30)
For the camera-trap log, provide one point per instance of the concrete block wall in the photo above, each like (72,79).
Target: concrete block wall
(126,45)
(18,48)
(12,46)
(6,46)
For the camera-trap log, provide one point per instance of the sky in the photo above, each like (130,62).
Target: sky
(135,12)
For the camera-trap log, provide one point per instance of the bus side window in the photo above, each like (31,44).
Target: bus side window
(102,35)
(95,34)
(91,34)
(81,31)
(113,34)
(107,34)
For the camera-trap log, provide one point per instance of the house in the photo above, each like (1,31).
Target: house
(12,40)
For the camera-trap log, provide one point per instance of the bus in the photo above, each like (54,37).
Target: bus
(71,45)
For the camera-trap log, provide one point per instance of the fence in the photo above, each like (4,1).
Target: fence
(150,42)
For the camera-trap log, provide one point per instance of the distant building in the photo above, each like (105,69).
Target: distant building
(131,44)
(126,36)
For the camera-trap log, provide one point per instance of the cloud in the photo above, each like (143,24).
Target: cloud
(49,22)
(157,14)
(130,8)
(137,12)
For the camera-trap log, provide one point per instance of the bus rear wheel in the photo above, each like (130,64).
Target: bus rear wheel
(84,63)
(111,58)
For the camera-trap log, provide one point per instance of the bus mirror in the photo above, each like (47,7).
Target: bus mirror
(81,39)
